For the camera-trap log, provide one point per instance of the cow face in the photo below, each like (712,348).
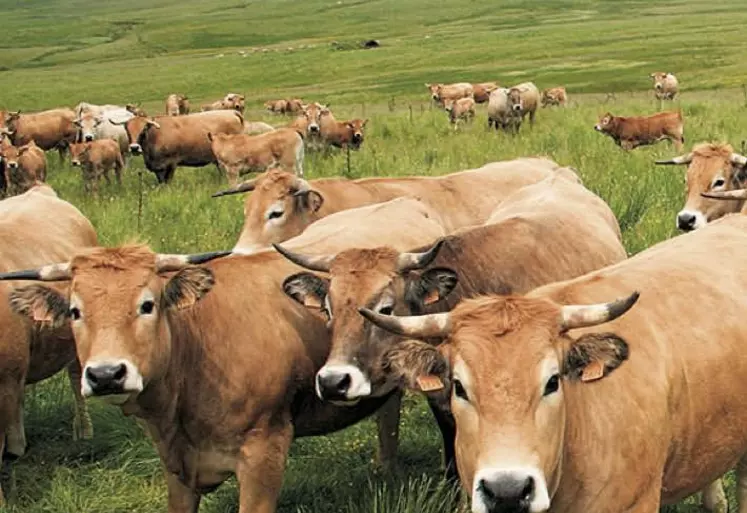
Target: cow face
(78,152)
(382,280)
(511,366)
(118,308)
(605,123)
(11,123)
(313,114)
(435,90)
(135,128)
(515,101)
(234,101)
(659,79)
(356,127)
(87,125)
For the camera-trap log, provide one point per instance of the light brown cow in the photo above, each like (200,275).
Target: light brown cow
(308,123)
(441,92)
(240,154)
(554,96)
(36,227)
(232,101)
(177,105)
(142,340)
(283,205)
(24,167)
(294,106)
(712,168)
(481,92)
(95,159)
(632,132)
(462,109)
(49,129)
(277,106)
(341,134)
(533,377)
(666,86)
(523,100)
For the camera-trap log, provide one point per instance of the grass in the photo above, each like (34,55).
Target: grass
(64,51)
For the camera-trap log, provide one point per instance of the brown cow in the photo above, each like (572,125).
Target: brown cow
(95,159)
(49,129)
(277,106)
(36,226)
(283,205)
(481,92)
(170,141)
(632,132)
(533,376)
(232,101)
(24,167)
(666,85)
(523,100)
(441,92)
(308,124)
(461,109)
(240,154)
(177,105)
(554,96)
(341,134)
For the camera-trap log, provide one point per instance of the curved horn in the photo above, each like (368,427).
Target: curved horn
(51,272)
(739,194)
(682,159)
(246,186)
(580,316)
(738,160)
(153,123)
(301,187)
(418,326)
(320,263)
(168,263)
(412,261)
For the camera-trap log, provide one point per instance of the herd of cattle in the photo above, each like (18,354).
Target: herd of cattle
(563,375)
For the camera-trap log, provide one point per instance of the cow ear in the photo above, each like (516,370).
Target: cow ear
(307,289)
(40,304)
(187,287)
(431,286)
(365,122)
(594,356)
(311,200)
(418,366)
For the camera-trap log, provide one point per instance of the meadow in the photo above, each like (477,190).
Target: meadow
(60,52)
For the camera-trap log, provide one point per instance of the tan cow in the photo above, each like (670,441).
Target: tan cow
(49,129)
(36,227)
(142,336)
(462,109)
(341,134)
(283,205)
(442,92)
(24,167)
(632,132)
(554,96)
(177,105)
(277,106)
(666,86)
(500,114)
(711,168)
(481,92)
(294,106)
(523,100)
(240,154)
(96,159)
(533,376)
(232,101)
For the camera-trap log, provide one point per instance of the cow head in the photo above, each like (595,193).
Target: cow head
(659,79)
(11,123)
(381,279)
(234,101)
(136,128)
(515,100)
(511,365)
(281,207)
(711,168)
(87,125)
(435,90)
(605,124)
(17,178)
(356,127)
(313,114)
(118,306)
(78,151)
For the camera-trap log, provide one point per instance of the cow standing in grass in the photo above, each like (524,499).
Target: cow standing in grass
(632,132)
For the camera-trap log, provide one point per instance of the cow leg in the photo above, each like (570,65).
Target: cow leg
(531,117)
(261,466)
(714,498)
(169,174)
(181,498)
(387,424)
(447,425)
(82,425)
(118,167)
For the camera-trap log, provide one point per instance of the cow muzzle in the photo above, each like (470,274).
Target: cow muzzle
(314,129)
(689,220)
(357,139)
(517,107)
(515,490)
(111,378)
(75,163)
(135,149)
(12,165)
(88,137)
(342,384)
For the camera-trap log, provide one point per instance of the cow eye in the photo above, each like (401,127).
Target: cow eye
(274,214)
(719,182)
(553,384)
(386,310)
(146,308)
(74,313)
(459,390)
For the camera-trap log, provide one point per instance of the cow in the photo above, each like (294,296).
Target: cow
(145,323)
(666,86)
(499,111)
(461,109)
(441,92)
(49,129)
(632,132)
(277,106)
(283,205)
(232,101)
(514,252)
(24,166)
(95,159)
(170,141)
(239,154)
(308,123)
(177,105)
(294,106)
(341,134)
(554,96)
(107,124)
(711,168)
(36,226)
(531,379)
(523,100)
(481,92)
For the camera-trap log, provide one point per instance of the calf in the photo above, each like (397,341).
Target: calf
(96,158)
(461,109)
(342,134)
(523,100)
(176,105)
(631,132)
(666,86)
(24,166)
(481,92)
(554,96)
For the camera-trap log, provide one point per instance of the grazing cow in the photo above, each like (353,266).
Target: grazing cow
(277,106)
(341,134)
(711,168)
(666,86)
(554,96)
(34,227)
(240,154)
(461,109)
(441,92)
(481,92)
(49,129)
(499,111)
(95,159)
(24,167)
(632,132)
(516,251)
(523,100)
(108,124)
(257,127)
(283,205)
(531,378)
(170,141)
(143,340)
(177,105)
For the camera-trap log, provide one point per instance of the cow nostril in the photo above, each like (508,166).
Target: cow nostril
(120,372)
(528,488)
(91,377)
(344,384)
(89,138)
